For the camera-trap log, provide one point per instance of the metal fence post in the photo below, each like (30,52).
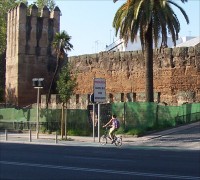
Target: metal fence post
(6,135)
(30,136)
(56,138)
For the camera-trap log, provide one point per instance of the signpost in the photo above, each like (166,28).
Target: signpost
(38,84)
(98,96)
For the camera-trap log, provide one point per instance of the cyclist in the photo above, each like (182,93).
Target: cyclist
(113,123)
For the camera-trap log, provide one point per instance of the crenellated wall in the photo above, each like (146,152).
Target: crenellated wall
(176,74)
(29,51)
(29,55)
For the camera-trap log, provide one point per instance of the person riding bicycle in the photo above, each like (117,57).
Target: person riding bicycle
(113,122)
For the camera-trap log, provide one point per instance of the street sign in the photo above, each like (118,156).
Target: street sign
(99,90)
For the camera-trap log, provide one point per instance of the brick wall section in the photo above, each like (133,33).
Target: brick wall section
(176,74)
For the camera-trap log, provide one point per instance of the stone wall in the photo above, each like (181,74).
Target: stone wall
(29,51)
(176,74)
(29,55)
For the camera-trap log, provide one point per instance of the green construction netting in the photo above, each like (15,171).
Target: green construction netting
(147,115)
(131,114)
(11,118)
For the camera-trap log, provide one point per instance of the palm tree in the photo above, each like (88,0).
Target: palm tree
(62,45)
(151,19)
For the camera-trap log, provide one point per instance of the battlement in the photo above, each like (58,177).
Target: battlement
(176,72)
(31,32)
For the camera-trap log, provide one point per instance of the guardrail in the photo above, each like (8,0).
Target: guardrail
(26,136)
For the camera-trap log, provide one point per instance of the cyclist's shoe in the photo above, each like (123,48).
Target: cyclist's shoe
(113,141)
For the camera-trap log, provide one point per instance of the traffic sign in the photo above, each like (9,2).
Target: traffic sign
(99,90)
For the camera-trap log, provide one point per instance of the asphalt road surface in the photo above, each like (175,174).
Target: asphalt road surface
(32,161)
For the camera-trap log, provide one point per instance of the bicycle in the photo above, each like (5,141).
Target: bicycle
(104,138)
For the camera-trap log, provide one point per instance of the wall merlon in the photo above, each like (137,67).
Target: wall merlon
(180,51)
(45,12)
(197,51)
(55,14)
(34,11)
(21,13)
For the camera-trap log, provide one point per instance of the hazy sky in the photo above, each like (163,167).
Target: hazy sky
(89,22)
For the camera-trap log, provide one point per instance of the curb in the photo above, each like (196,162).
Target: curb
(170,131)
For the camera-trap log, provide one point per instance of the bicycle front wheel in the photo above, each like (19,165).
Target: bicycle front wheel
(118,141)
(103,140)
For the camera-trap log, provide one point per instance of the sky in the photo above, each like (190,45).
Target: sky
(89,22)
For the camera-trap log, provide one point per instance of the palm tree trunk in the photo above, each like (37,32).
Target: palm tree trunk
(149,64)
(62,121)
(66,122)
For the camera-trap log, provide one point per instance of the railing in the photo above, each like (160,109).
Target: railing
(188,118)
(12,125)
(27,136)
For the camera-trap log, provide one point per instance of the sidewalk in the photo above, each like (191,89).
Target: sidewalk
(168,138)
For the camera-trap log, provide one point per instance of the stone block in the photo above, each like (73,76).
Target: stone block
(191,51)
(197,50)
(185,97)
(43,101)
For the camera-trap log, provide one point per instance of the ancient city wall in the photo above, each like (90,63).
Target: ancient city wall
(29,55)
(176,74)
(29,51)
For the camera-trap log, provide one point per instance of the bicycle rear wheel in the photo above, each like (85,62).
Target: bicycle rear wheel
(118,141)
(103,140)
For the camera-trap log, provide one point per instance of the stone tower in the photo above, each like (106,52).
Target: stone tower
(29,51)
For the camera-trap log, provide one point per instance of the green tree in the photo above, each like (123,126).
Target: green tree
(66,85)
(151,19)
(49,3)
(62,45)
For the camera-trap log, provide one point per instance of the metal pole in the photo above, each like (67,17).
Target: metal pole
(93,122)
(30,137)
(56,138)
(99,122)
(6,135)
(37,125)
(65,123)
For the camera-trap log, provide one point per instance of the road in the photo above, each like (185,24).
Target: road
(33,161)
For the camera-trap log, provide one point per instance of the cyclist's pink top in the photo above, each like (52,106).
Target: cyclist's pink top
(114,123)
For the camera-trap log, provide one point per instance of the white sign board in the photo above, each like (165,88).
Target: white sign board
(99,90)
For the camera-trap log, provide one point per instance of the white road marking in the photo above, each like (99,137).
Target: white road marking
(100,170)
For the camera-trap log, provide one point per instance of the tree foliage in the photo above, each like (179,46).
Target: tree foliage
(151,19)
(66,83)
(61,45)
(135,16)
(49,3)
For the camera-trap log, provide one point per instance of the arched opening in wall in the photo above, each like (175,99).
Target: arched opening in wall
(88,98)
(77,98)
(122,97)
(111,98)
(134,97)
(158,98)
(129,98)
